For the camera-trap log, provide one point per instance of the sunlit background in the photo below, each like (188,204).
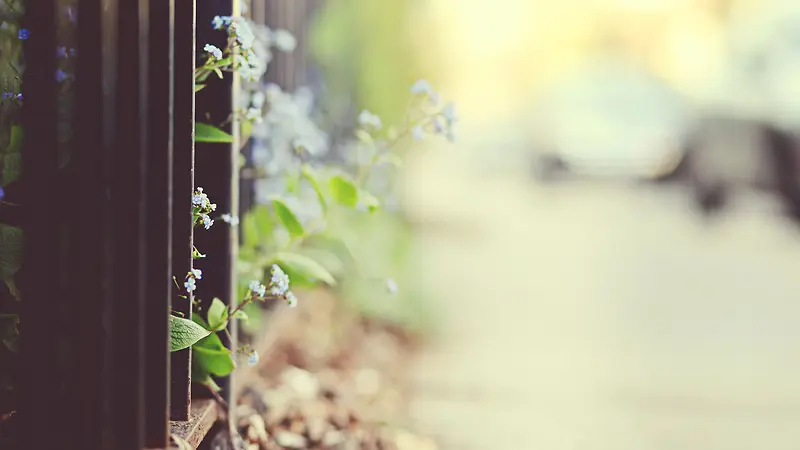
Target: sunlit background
(575,296)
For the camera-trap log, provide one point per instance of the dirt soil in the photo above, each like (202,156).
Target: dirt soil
(330,380)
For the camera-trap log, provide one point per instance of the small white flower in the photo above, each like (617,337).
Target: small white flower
(213,50)
(230,219)
(207,222)
(284,41)
(418,133)
(252,360)
(391,286)
(257,288)
(291,300)
(367,119)
(197,274)
(213,206)
(253,115)
(258,99)
(244,35)
(279,282)
(421,87)
(190,285)
(219,22)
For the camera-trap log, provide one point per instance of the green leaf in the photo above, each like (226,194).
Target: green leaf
(309,175)
(184,333)
(218,72)
(217,315)
(15,141)
(287,218)
(216,362)
(257,226)
(304,265)
(12,288)
(241,315)
(363,136)
(343,190)
(12,167)
(372,203)
(245,130)
(199,87)
(10,250)
(204,132)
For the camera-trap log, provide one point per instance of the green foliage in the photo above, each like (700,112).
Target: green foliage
(10,251)
(288,219)
(207,133)
(343,191)
(217,315)
(304,267)
(184,333)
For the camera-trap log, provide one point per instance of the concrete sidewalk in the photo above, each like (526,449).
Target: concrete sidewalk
(591,316)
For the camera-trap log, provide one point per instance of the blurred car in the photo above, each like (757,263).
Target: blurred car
(610,120)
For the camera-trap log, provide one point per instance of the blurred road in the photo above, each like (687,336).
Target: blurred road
(593,316)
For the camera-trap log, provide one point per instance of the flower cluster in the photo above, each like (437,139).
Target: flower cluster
(286,131)
(440,121)
(202,208)
(248,50)
(368,120)
(278,287)
(230,219)
(191,279)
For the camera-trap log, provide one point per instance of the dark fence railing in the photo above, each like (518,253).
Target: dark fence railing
(106,214)
(107,222)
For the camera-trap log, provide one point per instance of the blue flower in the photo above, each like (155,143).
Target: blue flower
(190,285)
(23,34)
(207,222)
(213,51)
(2,193)
(219,22)
(60,75)
(252,360)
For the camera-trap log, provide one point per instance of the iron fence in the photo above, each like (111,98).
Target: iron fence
(106,213)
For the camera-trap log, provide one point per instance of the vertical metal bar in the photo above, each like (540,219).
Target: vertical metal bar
(216,169)
(159,224)
(40,309)
(182,188)
(128,225)
(87,289)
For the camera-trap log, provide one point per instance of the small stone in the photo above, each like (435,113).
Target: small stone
(332,438)
(302,382)
(290,440)
(340,418)
(244,411)
(316,429)
(297,426)
(259,429)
